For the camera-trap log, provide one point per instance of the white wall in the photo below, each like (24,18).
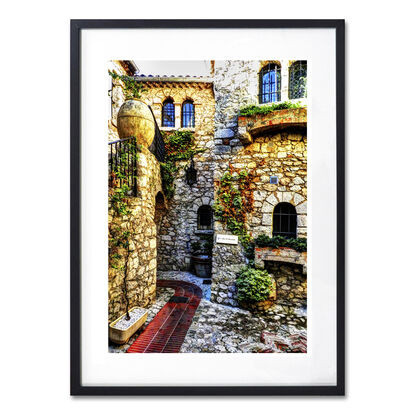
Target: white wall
(35,206)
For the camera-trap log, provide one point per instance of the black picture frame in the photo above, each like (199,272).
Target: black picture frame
(76,387)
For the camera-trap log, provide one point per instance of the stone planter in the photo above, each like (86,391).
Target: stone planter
(136,120)
(261,306)
(202,265)
(252,125)
(121,335)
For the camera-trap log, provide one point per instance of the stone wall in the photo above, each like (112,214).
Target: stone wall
(291,283)
(178,227)
(141,223)
(277,151)
(172,225)
(116,99)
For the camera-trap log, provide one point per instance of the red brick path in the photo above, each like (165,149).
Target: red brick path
(167,330)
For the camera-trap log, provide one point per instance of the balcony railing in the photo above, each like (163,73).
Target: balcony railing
(122,164)
(122,159)
(157,146)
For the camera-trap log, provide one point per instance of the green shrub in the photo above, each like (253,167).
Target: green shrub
(266,109)
(299,244)
(253,285)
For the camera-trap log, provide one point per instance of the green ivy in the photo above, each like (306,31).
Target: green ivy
(299,244)
(131,87)
(253,285)
(266,109)
(118,193)
(179,146)
(234,200)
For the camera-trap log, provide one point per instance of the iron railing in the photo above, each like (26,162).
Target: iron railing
(122,164)
(157,146)
(122,159)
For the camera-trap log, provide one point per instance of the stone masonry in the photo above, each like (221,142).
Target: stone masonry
(275,151)
(142,264)
(178,227)
(270,145)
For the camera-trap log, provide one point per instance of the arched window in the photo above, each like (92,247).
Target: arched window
(167,118)
(298,80)
(284,221)
(188,114)
(270,83)
(204,217)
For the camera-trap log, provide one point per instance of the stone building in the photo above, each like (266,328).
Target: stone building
(272,146)
(169,99)
(144,205)
(275,145)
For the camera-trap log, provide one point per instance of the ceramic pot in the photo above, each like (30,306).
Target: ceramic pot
(136,120)
(202,265)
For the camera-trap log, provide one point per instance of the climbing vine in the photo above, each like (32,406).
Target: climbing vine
(234,201)
(179,146)
(131,87)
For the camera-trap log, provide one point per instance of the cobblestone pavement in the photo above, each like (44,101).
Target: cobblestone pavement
(186,276)
(222,329)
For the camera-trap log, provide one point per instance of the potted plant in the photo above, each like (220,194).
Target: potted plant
(202,256)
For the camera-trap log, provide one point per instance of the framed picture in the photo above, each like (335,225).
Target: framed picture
(207,207)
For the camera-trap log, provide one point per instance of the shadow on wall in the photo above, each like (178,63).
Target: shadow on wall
(160,210)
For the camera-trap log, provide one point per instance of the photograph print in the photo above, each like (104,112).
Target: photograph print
(207,206)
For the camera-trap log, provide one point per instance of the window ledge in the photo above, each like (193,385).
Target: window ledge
(204,231)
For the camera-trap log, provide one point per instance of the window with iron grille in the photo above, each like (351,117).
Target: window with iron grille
(204,217)
(167,119)
(270,83)
(284,221)
(298,80)
(188,114)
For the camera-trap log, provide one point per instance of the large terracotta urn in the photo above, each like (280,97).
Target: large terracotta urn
(136,120)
